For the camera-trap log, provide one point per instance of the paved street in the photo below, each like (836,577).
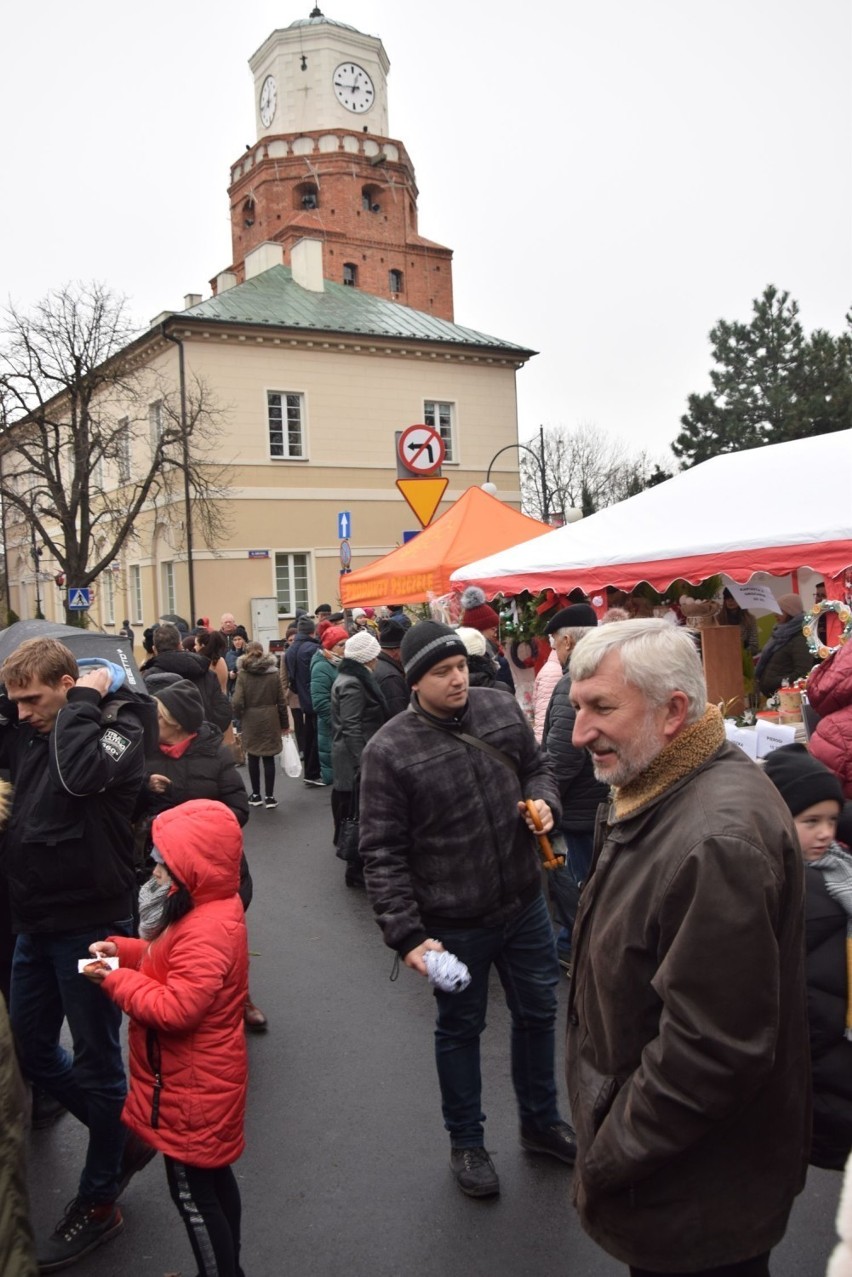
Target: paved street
(346,1166)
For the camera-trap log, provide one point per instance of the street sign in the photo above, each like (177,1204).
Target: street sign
(421,449)
(423,495)
(258,554)
(409,536)
(345,553)
(79,598)
(344,525)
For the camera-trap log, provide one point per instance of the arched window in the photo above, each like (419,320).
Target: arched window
(395,281)
(248,212)
(370,199)
(350,274)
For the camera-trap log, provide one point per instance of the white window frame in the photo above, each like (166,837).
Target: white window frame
(293,600)
(434,414)
(108,605)
(123,451)
(167,570)
(136,592)
(155,423)
(284,405)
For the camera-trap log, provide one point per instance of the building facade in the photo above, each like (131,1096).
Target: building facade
(314,370)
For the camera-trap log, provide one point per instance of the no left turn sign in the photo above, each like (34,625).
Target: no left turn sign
(421,449)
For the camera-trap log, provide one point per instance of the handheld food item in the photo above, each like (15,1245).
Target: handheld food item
(549,858)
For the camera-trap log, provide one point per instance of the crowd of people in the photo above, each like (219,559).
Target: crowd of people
(700,904)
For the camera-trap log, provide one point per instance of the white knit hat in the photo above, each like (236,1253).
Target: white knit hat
(362,647)
(472,639)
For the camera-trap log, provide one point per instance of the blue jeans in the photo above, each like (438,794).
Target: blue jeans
(46,989)
(524,954)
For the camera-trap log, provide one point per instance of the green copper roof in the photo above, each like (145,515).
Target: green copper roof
(273,299)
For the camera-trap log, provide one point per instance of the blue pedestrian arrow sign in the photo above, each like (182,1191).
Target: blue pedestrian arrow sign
(79,599)
(344,525)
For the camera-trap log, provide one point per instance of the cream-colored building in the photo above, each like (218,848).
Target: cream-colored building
(314,377)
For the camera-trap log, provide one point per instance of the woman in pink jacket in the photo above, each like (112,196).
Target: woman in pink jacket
(185,991)
(830,693)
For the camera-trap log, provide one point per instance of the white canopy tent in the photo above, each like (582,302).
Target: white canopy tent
(775,509)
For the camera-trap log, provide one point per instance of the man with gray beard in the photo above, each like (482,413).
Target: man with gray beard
(687,1053)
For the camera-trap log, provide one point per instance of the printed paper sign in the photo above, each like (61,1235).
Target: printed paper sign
(772,736)
(745,737)
(754,594)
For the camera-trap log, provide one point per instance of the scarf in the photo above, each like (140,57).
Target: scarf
(178,750)
(836,868)
(686,753)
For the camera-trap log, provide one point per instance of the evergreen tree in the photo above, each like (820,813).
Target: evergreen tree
(771,383)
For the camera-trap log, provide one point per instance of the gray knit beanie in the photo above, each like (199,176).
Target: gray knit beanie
(183,702)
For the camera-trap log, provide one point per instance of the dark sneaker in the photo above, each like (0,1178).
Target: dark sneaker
(45,1110)
(316,784)
(271,804)
(83,1228)
(136,1156)
(255,800)
(557,1140)
(474,1172)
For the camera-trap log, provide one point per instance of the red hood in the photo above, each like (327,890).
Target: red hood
(201,841)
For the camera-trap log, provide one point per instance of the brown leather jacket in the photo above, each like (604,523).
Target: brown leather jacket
(687,1055)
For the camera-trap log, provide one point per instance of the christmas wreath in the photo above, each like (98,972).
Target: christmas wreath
(810,628)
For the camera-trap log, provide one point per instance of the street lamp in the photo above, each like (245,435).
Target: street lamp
(491,488)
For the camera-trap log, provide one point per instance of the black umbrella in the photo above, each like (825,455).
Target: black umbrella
(81,642)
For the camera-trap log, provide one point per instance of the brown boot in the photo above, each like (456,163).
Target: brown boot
(256,1021)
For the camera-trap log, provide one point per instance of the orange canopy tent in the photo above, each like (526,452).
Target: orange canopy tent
(475,525)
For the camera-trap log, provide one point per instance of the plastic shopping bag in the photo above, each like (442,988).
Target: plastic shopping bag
(290,760)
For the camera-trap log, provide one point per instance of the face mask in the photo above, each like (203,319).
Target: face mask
(152,899)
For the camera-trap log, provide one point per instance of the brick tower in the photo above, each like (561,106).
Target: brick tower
(323,167)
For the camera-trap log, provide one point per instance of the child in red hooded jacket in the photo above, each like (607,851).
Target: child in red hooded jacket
(184,991)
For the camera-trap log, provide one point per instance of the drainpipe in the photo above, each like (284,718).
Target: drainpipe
(187,497)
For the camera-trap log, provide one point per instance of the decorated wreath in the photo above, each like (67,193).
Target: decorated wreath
(810,628)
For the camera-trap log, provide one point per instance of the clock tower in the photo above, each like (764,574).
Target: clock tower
(323,167)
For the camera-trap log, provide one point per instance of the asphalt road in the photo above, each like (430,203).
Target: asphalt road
(346,1166)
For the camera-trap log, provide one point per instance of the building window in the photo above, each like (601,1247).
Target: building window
(306,196)
(395,281)
(155,423)
(441,416)
(123,450)
(169,600)
(109,598)
(291,583)
(286,415)
(136,592)
(350,274)
(370,199)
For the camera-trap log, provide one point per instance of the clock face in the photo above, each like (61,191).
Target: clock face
(268,101)
(353,87)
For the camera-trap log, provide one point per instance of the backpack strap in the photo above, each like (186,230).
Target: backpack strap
(472,742)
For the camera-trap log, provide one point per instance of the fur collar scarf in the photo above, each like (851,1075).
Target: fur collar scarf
(686,753)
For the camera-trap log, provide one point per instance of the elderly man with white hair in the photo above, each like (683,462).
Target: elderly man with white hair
(687,1053)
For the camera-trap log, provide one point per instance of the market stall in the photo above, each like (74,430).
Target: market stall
(775,509)
(475,524)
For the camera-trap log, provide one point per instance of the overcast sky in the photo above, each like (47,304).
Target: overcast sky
(613,176)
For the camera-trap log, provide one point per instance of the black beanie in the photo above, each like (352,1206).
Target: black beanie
(424,645)
(183,701)
(305,625)
(391,633)
(801,780)
(573,617)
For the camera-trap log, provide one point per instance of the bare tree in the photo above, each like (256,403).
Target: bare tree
(583,470)
(91,437)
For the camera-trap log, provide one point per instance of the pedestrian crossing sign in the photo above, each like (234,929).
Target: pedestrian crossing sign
(79,599)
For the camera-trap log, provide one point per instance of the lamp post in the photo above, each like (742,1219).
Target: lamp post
(542,470)
(36,558)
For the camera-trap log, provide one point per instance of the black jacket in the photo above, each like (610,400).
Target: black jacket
(831,1052)
(358,710)
(442,839)
(191,665)
(297,660)
(581,794)
(390,678)
(68,846)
